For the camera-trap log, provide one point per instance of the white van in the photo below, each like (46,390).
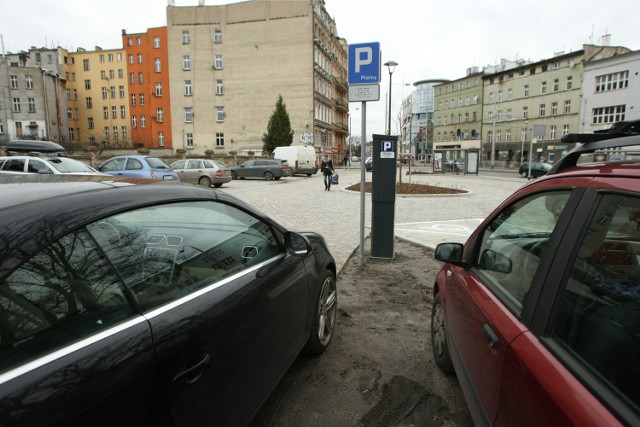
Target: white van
(301,159)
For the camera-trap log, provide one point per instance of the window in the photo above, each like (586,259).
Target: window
(187,88)
(554,108)
(141,78)
(69,114)
(543,88)
(507,135)
(132,59)
(106,132)
(123,129)
(133,99)
(186,62)
(129,42)
(110,56)
(75,94)
(87,84)
(159,114)
(569,82)
(609,114)
(112,91)
(68,93)
(543,110)
(567,106)
(112,74)
(90,123)
(139,40)
(143,121)
(526,91)
(509,114)
(85,65)
(158,89)
(69,281)
(132,78)
(28,80)
(565,130)
(161,139)
(114,112)
(134,121)
(102,58)
(500,96)
(156,42)
(217,36)
(121,91)
(119,57)
(613,81)
(188,115)
(220,114)
(123,112)
(219,139)
(141,97)
(556,85)
(218,62)
(490,97)
(104,92)
(105,113)
(219,87)
(593,321)
(189,137)
(115,132)
(186,38)
(89,102)
(513,244)
(31,105)
(552,135)
(525,112)
(510,94)
(103,75)
(157,66)
(72,134)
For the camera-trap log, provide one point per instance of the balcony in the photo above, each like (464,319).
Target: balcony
(341,104)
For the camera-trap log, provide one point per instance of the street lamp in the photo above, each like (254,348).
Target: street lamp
(391,65)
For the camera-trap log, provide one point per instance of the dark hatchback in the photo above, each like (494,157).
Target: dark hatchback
(150,304)
(267,169)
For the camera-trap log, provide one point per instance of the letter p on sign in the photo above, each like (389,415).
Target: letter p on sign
(364,56)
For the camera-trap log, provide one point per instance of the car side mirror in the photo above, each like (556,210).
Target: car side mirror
(296,244)
(495,261)
(450,252)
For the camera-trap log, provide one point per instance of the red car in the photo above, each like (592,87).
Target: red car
(538,312)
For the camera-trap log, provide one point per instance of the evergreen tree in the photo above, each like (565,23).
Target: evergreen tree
(279,133)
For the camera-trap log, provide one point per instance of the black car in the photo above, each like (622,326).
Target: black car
(268,169)
(368,164)
(153,303)
(537,169)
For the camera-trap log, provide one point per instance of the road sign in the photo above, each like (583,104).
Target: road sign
(364,63)
(387,150)
(364,93)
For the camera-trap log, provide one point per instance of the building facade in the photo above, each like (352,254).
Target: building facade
(148,88)
(611,89)
(239,58)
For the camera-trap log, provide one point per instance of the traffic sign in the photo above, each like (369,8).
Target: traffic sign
(364,93)
(364,63)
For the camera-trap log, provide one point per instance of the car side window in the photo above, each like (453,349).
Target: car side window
(165,252)
(134,164)
(597,318)
(14,165)
(36,165)
(194,164)
(514,242)
(208,164)
(65,292)
(113,165)
(179,164)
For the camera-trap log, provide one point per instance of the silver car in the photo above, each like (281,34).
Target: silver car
(44,165)
(202,172)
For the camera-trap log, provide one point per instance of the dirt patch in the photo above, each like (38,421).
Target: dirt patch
(379,370)
(405,188)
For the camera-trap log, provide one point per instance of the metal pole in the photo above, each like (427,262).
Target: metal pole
(389,117)
(363,152)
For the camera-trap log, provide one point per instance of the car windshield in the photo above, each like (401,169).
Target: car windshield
(65,165)
(156,163)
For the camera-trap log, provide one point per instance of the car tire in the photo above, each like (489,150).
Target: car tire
(217,185)
(268,176)
(205,181)
(234,175)
(439,346)
(324,315)
(524,174)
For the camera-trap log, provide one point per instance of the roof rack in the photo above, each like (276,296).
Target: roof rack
(31,145)
(620,134)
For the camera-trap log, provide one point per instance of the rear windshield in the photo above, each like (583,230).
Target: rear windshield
(156,163)
(64,165)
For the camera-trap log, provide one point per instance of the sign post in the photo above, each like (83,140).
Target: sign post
(364,86)
(383,196)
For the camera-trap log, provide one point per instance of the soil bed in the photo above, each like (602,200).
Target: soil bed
(405,188)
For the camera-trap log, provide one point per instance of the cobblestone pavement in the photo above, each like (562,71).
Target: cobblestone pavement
(300,203)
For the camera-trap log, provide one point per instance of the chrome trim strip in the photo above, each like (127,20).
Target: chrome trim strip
(65,351)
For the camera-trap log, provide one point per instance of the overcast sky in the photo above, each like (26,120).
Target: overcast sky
(428,39)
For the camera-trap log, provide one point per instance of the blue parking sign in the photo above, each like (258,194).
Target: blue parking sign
(364,63)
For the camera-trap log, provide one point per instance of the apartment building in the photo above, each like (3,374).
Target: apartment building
(147,57)
(32,95)
(611,88)
(229,64)
(540,100)
(102,95)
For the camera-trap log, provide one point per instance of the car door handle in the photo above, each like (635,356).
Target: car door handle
(193,374)
(490,336)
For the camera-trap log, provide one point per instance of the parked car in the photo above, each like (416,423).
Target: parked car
(368,164)
(139,167)
(262,168)
(201,171)
(301,158)
(537,169)
(538,312)
(45,165)
(153,303)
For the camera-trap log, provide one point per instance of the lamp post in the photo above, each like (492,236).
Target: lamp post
(391,65)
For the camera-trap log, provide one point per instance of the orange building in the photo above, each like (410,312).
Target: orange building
(148,76)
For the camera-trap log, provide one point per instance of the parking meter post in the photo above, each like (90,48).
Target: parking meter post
(383,196)
(363,176)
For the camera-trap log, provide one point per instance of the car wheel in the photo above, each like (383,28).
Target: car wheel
(268,176)
(205,181)
(308,174)
(217,185)
(439,336)
(324,317)
(234,175)
(524,174)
